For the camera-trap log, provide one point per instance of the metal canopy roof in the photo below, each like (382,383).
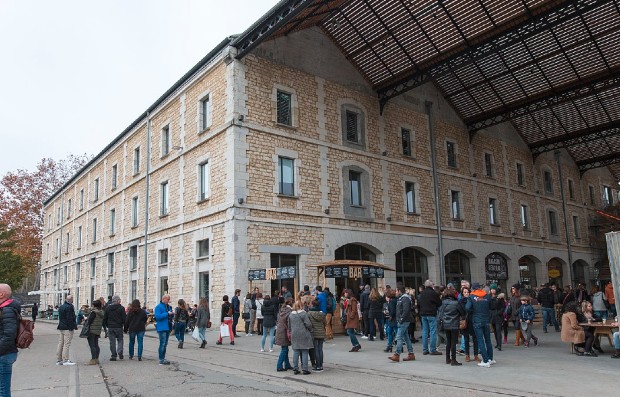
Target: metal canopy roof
(549,67)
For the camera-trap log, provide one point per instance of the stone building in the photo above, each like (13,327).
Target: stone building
(277,152)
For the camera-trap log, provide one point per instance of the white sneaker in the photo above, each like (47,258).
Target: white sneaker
(484,365)
(270,350)
(247,334)
(364,337)
(492,362)
(262,350)
(68,362)
(59,362)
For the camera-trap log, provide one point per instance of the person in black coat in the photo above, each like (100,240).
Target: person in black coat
(114,321)
(9,311)
(269,322)
(135,325)
(452,312)
(375,313)
(391,320)
(66,325)
(35,312)
(428,303)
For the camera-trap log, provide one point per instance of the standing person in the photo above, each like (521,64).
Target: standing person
(329,315)
(479,304)
(452,312)
(259,313)
(282,339)
(391,319)
(286,293)
(135,325)
(598,303)
(247,308)
(353,319)
(317,319)
(9,319)
(253,312)
(526,320)
(301,338)
(428,303)
(236,305)
(375,313)
(497,317)
(546,299)
(203,317)
(611,298)
(403,318)
(114,321)
(181,315)
(365,307)
(35,312)
(226,319)
(468,333)
(95,323)
(66,326)
(268,310)
(515,304)
(581,294)
(163,324)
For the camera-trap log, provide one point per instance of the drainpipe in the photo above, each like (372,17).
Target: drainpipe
(568,245)
(146,204)
(62,218)
(442,270)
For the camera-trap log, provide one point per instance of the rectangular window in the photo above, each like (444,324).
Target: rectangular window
(57,216)
(355,180)
(548,182)
(69,207)
(65,274)
(525,218)
(133,257)
(553,223)
(591,190)
(49,222)
(576,225)
(488,165)
(96,190)
(77,271)
(112,221)
(571,190)
(286,168)
(134,212)
(114,176)
(94,230)
(110,264)
(163,199)
(205,113)
(455,204)
(493,212)
(406,141)
(203,248)
(163,256)
(136,160)
(520,175)
(451,151)
(92,267)
(410,196)
(110,289)
(203,175)
(608,198)
(81,199)
(79,237)
(67,243)
(165,140)
(284,108)
(57,247)
(48,251)
(134,289)
(352,125)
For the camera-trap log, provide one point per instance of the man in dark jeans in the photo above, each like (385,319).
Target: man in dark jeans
(236,304)
(114,321)
(365,308)
(547,302)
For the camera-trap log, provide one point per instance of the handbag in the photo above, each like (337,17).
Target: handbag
(245,316)
(85,330)
(196,335)
(209,324)
(224,331)
(462,324)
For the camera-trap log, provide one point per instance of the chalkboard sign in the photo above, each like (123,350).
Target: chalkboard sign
(346,271)
(496,267)
(272,274)
(256,274)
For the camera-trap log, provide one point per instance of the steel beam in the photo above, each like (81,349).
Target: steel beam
(576,138)
(598,162)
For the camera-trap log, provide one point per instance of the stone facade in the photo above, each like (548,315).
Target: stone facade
(199,244)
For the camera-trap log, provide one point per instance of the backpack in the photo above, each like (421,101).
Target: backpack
(330,304)
(440,314)
(25,334)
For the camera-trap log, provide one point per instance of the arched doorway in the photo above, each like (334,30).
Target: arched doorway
(496,269)
(527,272)
(356,252)
(555,272)
(581,273)
(457,268)
(411,268)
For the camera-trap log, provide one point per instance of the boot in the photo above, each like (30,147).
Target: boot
(92,362)
(518,337)
(394,357)
(180,345)
(505,339)
(448,361)
(467,358)
(388,349)
(617,354)
(410,357)
(202,345)
(476,358)
(454,363)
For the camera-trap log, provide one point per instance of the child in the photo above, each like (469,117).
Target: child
(526,319)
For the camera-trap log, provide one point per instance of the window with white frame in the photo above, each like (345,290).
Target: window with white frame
(576,226)
(94,230)
(66,243)
(451,153)
(284,108)
(134,211)
(548,182)
(81,199)
(65,274)
(553,222)
(134,289)
(58,216)
(202,248)
(49,222)
(93,262)
(353,133)
(57,247)
(114,177)
(204,112)
(493,219)
(112,221)
(410,197)
(96,189)
(69,208)
(164,207)
(136,160)
(525,217)
(405,134)
(488,165)
(133,257)
(79,237)
(165,140)
(608,198)
(47,250)
(110,264)
(355,183)
(571,190)
(286,174)
(203,180)
(455,204)
(163,256)
(520,174)
(77,271)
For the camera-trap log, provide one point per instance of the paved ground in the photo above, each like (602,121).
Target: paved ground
(242,370)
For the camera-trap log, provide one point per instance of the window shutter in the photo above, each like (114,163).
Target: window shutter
(284,108)
(352,131)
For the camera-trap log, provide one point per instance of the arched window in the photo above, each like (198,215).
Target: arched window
(554,269)
(527,272)
(457,268)
(359,253)
(411,268)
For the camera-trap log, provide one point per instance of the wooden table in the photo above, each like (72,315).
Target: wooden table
(601,329)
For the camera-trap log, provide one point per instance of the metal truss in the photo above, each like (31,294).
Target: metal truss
(597,162)
(576,138)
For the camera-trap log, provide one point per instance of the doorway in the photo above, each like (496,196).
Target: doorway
(203,285)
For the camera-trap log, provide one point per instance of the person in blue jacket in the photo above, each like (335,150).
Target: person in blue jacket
(163,318)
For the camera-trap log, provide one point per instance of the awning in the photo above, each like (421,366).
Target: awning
(346,262)
(41,292)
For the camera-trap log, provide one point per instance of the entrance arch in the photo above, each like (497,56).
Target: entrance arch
(357,252)
(457,267)
(555,271)
(411,268)
(581,273)
(496,270)
(527,272)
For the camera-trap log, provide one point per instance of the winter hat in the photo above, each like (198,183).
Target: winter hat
(493,286)
(475,286)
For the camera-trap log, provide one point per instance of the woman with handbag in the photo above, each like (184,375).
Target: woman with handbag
(94,322)
(135,325)
(282,337)
(452,317)
(203,320)
(300,328)
(226,321)
(246,315)
(181,315)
